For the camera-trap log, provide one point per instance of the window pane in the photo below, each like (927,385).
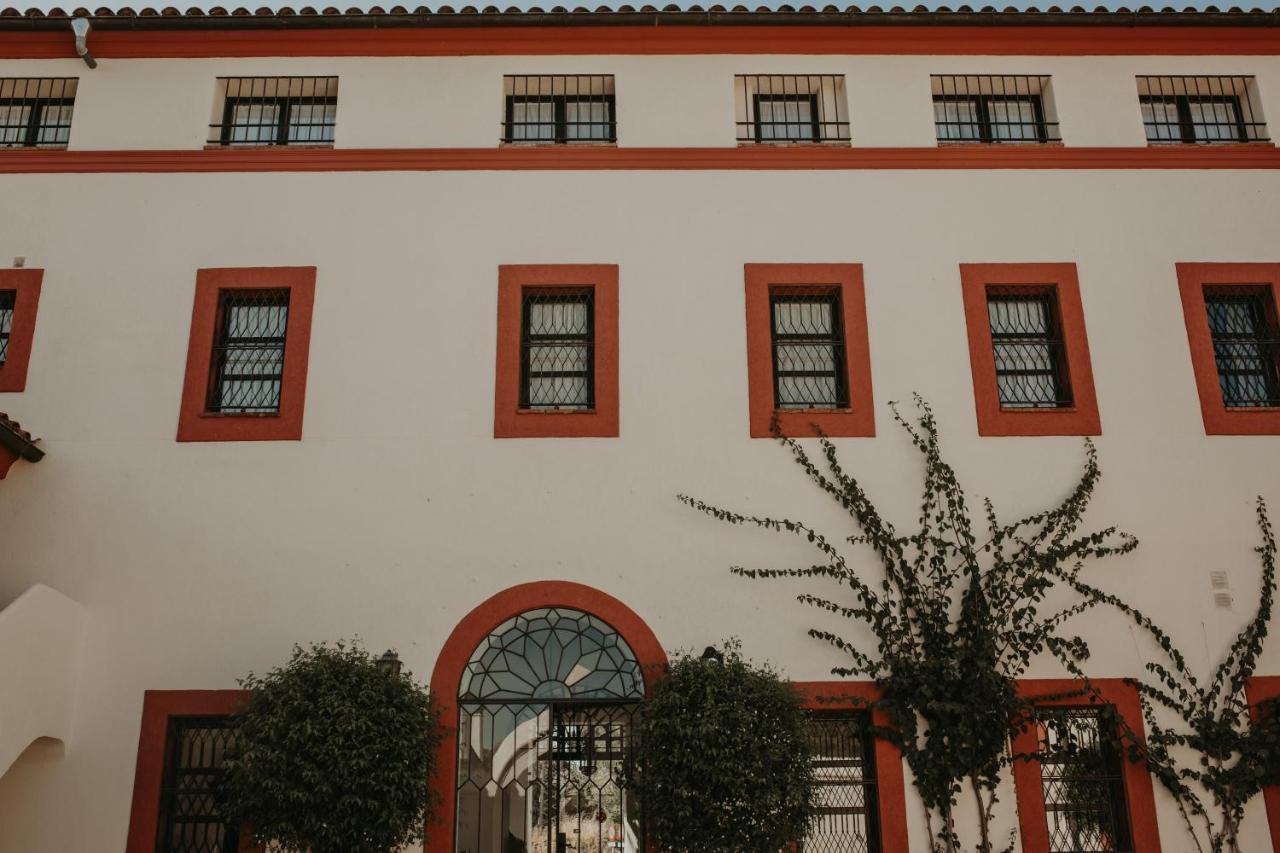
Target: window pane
(956,119)
(587,120)
(785,119)
(1214,120)
(7,300)
(13,123)
(1028,351)
(248,357)
(255,123)
(1013,120)
(808,350)
(312,122)
(533,121)
(1161,121)
(55,124)
(557,358)
(1246,345)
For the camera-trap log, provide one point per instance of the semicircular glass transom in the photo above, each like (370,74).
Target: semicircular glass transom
(553,653)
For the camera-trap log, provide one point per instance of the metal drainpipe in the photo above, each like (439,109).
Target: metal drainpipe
(81,27)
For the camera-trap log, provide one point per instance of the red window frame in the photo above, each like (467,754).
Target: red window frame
(512,421)
(1257,690)
(859,419)
(158,706)
(1081,418)
(1138,787)
(890,785)
(1192,278)
(195,423)
(26,285)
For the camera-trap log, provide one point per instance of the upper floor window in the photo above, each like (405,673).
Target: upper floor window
(791,108)
(7,300)
(845,773)
(809,365)
(35,112)
(190,820)
(559,109)
(557,342)
(275,111)
(1201,109)
(993,108)
(1029,351)
(1082,776)
(248,354)
(1246,344)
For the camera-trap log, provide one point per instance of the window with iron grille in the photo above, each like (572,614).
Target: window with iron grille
(248,353)
(557,366)
(1082,775)
(993,108)
(275,111)
(844,770)
(1246,344)
(559,109)
(1201,109)
(809,364)
(35,112)
(190,820)
(791,108)
(1030,353)
(7,300)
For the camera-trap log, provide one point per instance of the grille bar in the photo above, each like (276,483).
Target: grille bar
(809,363)
(844,768)
(1202,109)
(992,108)
(1246,344)
(791,108)
(559,109)
(275,111)
(8,298)
(191,821)
(35,112)
(1083,782)
(248,355)
(557,364)
(1030,353)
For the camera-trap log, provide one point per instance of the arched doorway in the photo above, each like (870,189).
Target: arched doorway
(543,683)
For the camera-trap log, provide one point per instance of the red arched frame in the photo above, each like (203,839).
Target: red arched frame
(446,678)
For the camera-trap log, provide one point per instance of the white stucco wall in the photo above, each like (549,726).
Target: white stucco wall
(398,512)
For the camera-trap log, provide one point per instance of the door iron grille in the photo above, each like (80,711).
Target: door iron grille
(190,820)
(809,363)
(8,298)
(35,112)
(248,354)
(1200,109)
(1030,353)
(844,767)
(992,108)
(1081,773)
(1246,344)
(557,364)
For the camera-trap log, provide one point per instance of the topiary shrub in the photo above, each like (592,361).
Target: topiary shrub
(723,762)
(333,754)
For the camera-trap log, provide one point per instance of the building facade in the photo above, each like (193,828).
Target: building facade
(411,326)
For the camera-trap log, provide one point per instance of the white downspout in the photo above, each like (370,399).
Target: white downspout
(80,27)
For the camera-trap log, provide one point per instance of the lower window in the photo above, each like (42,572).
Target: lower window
(190,820)
(844,768)
(1082,776)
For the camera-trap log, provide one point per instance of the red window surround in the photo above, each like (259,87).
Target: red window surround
(1258,690)
(857,420)
(1139,792)
(512,421)
(1082,417)
(158,706)
(1192,278)
(195,423)
(890,787)
(25,285)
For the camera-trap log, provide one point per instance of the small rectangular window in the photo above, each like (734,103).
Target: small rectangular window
(808,348)
(1082,776)
(275,111)
(190,820)
(557,368)
(791,108)
(8,298)
(1030,357)
(1246,344)
(844,770)
(35,112)
(1201,109)
(248,352)
(559,109)
(993,108)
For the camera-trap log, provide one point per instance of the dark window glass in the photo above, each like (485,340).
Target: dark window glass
(1030,356)
(560,118)
(7,300)
(809,365)
(278,111)
(190,820)
(1082,777)
(786,118)
(844,768)
(36,112)
(557,365)
(248,354)
(1246,344)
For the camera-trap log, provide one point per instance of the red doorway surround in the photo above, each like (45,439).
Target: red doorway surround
(446,678)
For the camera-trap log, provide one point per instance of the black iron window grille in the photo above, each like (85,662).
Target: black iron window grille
(1200,109)
(8,298)
(557,364)
(35,112)
(1082,775)
(844,769)
(1030,353)
(993,108)
(809,365)
(190,819)
(559,109)
(1246,344)
(785,108)
(275,111)
(248,353)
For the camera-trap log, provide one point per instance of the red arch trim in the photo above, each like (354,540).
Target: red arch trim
(446,678)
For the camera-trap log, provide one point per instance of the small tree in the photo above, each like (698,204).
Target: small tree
(333,754)
(723,759)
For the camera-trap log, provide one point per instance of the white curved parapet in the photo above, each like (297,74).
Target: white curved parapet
(40,644)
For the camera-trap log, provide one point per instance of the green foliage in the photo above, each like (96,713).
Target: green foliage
(333,755)
(955,620)
(723,762)
(1221,753)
